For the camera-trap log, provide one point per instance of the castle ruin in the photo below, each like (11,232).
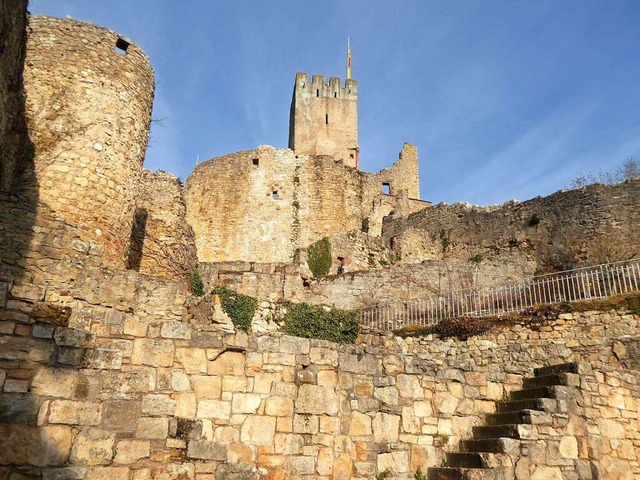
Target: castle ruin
(111,369)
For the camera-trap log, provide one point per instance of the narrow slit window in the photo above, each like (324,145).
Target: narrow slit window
(317,92)
(335,94)
(326,119)
(121,46)
(255,161)
(386,188)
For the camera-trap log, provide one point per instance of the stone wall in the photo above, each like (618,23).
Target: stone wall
(391,282)
(163,243)
(590,225)
(324,118)
(404,175)
(13,131)
(88,108)
(263,205)
(115,386)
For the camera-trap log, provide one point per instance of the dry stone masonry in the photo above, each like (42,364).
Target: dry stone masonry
(131,391)
(88,110)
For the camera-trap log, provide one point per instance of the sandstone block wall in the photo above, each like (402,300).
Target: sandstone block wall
(404,174)
(13,132)
(391,282)
(590,225)
(99,387)
(263,205)
(163,243)
(88,108)
(324,118)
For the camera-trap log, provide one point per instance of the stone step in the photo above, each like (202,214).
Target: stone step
(564,378)
(449,473)
(486,445)
(496,431)
(533,393)
(541,404)
(506,418)
(472,460)
(559,368)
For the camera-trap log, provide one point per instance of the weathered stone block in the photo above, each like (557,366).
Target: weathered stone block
(158,405)
(228,363)
(152,428)
(205,450)
(316,399)
(358,363)
(409,387)
(279,406)
(245,403)
(19,408)
(194,360)
(73,337)
(67,473)
(239,454)
(121,415)
(303,465)
(152,352)
(130,451)
(207,387)
(113,317)
(43,446)
(323,356)
(214,409)
(386,427)
(103,359)
(360,425)
(171,329)
(108,473)
(185,405)
(180,381)
(54,382)
(258,430)
(75,413)
(305,424)
(288,443)
(93,447)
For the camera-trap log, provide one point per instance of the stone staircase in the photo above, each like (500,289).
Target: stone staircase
(491,451)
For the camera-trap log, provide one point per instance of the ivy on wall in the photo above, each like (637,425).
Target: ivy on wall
(319,257)
(311,321)
(240,308)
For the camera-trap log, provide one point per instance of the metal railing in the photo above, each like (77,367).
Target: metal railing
(588,283)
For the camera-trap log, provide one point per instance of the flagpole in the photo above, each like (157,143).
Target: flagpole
(348,58)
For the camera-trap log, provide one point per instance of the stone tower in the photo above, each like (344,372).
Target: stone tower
(89,93)
(324,118)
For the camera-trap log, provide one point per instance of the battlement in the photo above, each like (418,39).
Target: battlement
(319,87)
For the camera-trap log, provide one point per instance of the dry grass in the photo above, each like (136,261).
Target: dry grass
(464,328)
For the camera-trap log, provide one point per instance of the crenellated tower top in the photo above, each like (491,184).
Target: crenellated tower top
(324,118)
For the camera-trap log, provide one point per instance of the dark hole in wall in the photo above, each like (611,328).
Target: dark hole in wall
(121,46)
(136,244)
(255,161)
(340,265)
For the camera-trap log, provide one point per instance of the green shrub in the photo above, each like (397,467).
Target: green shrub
(419,475)
(319,257)
(240,308)
(310,321)
(195,283)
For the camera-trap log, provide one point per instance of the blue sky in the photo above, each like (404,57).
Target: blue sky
(504,99)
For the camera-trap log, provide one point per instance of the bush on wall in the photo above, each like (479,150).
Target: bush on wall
(240,308)
(310,321)
(319,257)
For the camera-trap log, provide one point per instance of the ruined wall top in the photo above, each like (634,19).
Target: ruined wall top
(319,87)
